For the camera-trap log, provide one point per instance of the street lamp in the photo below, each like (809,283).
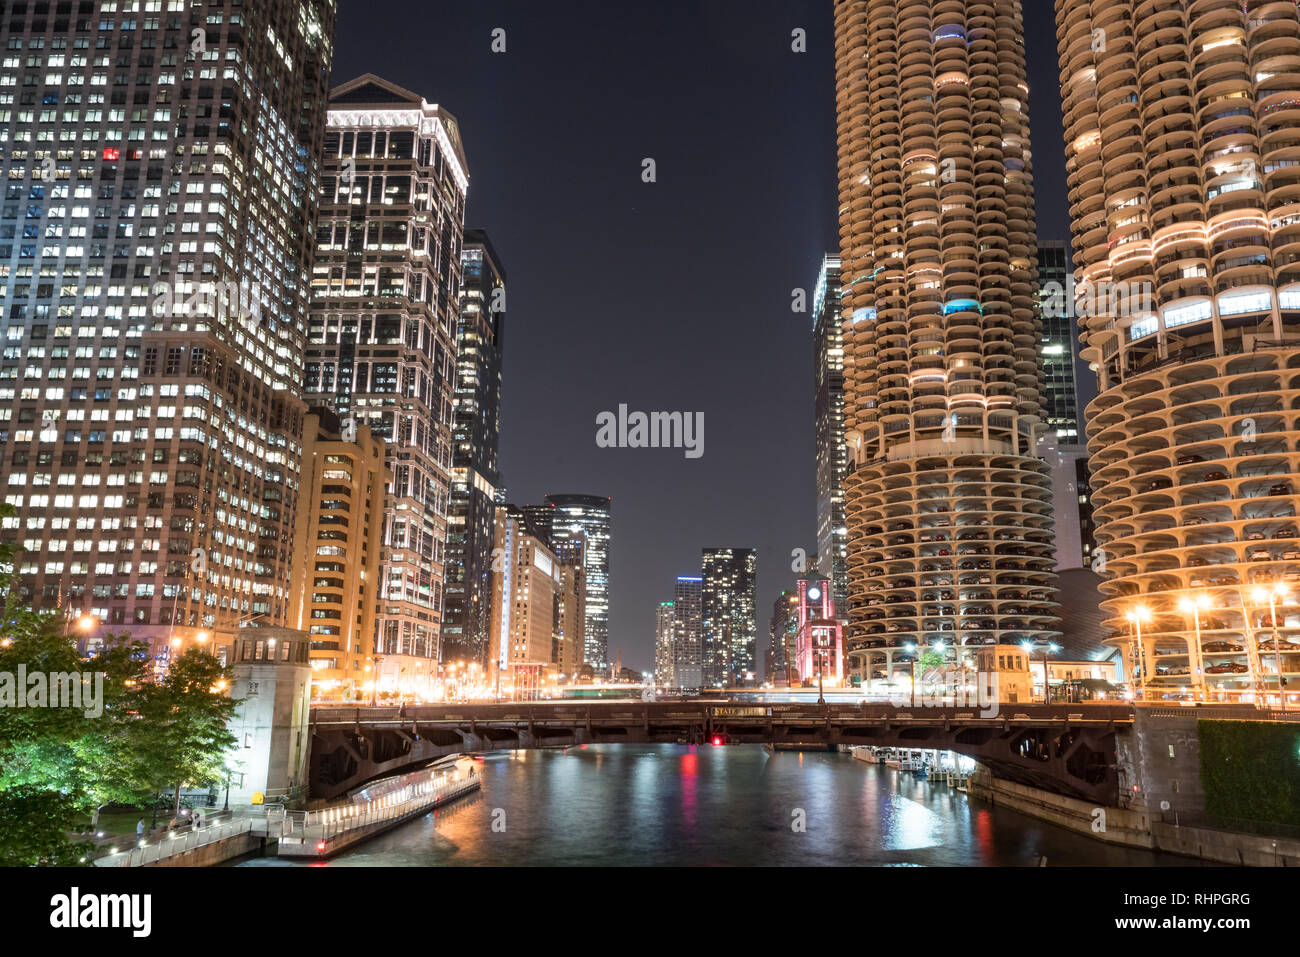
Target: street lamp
(1138,615)
(1273,595)
(1194,605)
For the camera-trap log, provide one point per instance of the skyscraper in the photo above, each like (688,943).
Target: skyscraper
(1179,122)
(590,515)
(945,494)
(475,474)
(665,654)
(383,326)
(160,185)
(1062,393)
(832,458)
(337,536)
(727,616)
(782,636)
(688,671)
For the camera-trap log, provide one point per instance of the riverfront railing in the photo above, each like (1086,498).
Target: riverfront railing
(177,842)
(323,824)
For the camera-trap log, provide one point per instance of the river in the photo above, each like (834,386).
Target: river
(646,805)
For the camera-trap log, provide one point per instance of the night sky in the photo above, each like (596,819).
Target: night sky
(672,295)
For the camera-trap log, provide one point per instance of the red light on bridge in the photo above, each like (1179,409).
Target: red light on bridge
(717,740)
(320,845)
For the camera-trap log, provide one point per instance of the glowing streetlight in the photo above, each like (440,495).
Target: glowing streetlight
(1194,606)
(1137,616)
(1272,596)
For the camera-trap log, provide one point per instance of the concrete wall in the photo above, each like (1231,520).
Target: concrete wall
(1112,825)
(1227,847)
(215,853)
(1159,763)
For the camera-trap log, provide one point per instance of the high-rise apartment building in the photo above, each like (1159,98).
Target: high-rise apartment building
(590,516)
(665,654)
(782,635)
(728,627)
(832,458)
(688,669)
(948,506)
(475,474)
(338,534)
(1061,398)
(1182,182)
(383,325)
(160,174)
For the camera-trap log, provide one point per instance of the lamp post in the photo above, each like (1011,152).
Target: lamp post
(1272,595)
(1138,615)
(1194,605)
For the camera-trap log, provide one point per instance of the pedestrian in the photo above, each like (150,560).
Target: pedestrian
(198,819)
(139,831)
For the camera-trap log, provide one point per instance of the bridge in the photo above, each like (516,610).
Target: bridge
(1065,749)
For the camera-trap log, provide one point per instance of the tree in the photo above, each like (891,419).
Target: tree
(186,715)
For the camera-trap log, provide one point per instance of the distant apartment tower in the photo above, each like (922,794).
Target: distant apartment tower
(1183,185)
(832,458)
(782,633)
(688,669)
(382,340)
(728,625)
(590,516)
(154,248)
(1061,393)
(571,606)
(665,654)
(338,535)
(524,605)
(475,473)
(942,365)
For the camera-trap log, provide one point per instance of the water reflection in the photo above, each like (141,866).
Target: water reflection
(675,805)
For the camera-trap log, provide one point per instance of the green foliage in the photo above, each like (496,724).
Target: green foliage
(1250,771)
(57,763)
(34,828)
(187,716)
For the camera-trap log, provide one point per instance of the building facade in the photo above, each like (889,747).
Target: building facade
(571,607)
(665,653)
(524,602)
(782,637)
(1186,238)
(819,641)
(384,310)
(688,668)
(947,500)
(728,629)
(1055,306)
(588,515)
(338,538)
(475,472)
(160,192)
(828,409)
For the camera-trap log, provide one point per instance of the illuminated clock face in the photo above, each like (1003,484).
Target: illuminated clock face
(814,593)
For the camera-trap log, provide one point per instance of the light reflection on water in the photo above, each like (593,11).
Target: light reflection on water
(645,804)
